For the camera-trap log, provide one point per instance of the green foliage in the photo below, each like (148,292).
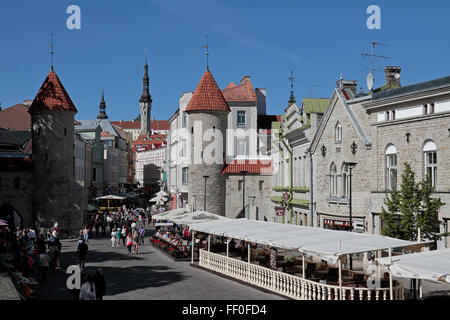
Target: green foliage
(411,208)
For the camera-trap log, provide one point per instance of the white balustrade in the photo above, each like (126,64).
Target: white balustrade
(288,285)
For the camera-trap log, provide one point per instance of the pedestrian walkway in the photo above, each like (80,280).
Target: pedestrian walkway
(148,275)
(8,290)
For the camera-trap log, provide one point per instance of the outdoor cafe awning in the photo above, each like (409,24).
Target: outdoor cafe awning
(110,197)
(428,265)
(166,215)
(195,217)
(322,243)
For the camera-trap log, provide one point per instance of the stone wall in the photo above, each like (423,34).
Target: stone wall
(215,184)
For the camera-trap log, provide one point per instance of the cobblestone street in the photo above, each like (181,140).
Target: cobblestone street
(147,275)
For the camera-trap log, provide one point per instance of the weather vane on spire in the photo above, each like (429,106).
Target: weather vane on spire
(207,53)
(146,54)
(51,50)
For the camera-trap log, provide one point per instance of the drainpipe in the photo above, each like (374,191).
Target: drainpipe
(288,202)
(282,160)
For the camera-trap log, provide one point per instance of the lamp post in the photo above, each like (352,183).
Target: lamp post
(243,172)
(350,165)
(204,196)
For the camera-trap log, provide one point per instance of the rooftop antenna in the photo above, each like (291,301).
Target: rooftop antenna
(51,50)
(370,76)
(207,53)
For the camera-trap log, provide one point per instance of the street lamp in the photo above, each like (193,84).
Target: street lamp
(243,172)
(204,199)
(350,165)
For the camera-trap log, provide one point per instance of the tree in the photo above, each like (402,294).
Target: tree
(138,118)
(427,219)
(411,208)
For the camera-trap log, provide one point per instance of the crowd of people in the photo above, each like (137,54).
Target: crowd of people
(34,256)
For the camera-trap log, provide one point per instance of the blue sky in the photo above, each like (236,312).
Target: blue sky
(264,39)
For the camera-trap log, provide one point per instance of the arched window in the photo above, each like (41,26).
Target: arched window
(391,167)
(345,181)
(429,151)
(338,132)
(333,180)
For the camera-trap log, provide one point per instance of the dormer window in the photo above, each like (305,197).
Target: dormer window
(241,119)
(428,108)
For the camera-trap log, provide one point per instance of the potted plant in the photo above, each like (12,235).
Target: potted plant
(289,260)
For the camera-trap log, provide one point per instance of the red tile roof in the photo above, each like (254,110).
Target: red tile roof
(52,96)
(16,118)
(244,92)
(144,140)
(106,134)
(207,96)
(136,124)
(252,166)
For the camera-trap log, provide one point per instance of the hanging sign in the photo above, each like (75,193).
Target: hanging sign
(280,211)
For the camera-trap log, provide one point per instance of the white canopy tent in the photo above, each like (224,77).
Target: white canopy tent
(158,199)
(196,217)
(111,197)
(322,243)
(428,265)
(166,215)
(162,194)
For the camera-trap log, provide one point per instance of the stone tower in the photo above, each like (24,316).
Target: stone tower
(57,197)
(102,108)
(208,112)
(145,103)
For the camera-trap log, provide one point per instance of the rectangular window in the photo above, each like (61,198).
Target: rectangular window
(241,119)
(431,166)
(240,182)
(94,174)
(261,185)
(241,146)
(184,174)
(391,171)
(184,122)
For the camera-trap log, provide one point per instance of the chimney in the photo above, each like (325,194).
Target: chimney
(393,76)
(347,84)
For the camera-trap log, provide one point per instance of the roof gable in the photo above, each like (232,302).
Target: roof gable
(338,97)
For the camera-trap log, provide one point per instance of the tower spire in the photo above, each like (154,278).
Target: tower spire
(292,80)
(102,107)
(146,101)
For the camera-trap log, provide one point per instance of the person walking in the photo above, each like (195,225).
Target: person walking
(118,235)
(129,242)
(53,255)
(136,241)
(124,235)
(141,235)
(43,267)
(82,253)
(87,291)
(100,284)
(86,234)
(113,238)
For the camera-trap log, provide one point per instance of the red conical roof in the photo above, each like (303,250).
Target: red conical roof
(207,96)
(52,96)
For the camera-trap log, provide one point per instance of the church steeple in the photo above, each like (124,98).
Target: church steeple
(102,108)
(292,80)
(145,102)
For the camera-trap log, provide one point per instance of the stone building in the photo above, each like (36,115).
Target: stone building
(150,160)
(56,197)
(380,131)
(207,117)
(292,165)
